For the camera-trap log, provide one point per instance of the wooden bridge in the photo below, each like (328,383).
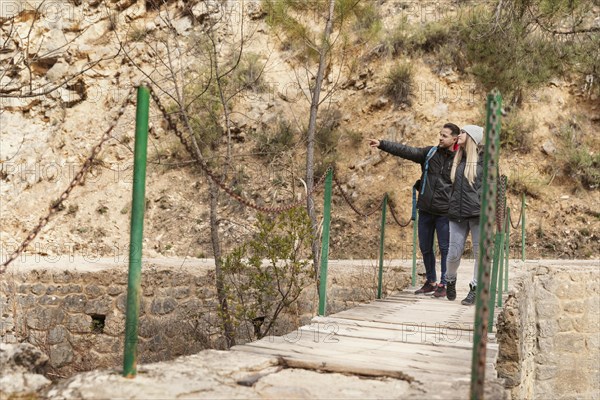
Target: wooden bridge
(421,339)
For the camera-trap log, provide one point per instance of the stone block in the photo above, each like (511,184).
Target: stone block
(38,288)
(114,324)
(592,287)
(100,306)
(106,344)
(568,290)
(586,324)
(573,306)
(545,344)
(57,334)
(24,302)
(23,288)
(69,288)
(149,291)
(163,305)
(544,390)
(49,300)
(83,343)
(206,292)
(191,308)
(592,306)
(592,342)
(62,277)
(51,289)
(569,342)
(153,345)
(565,323)
(545,359)
(114,290)
(60,354)
(121,304)
(75,303)
(547,309)
(37,338)
(7,324)
(79,323)
(93,291)
(42,276)
(44,318)
(149,326)
(545,372)
(570,381)
(183,330)
(179,292)
(547,328)
(181,280)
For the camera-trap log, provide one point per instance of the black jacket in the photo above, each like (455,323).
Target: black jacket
(465,200)
(438,185)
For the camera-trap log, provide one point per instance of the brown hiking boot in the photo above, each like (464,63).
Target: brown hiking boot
(426,288)
(440,291)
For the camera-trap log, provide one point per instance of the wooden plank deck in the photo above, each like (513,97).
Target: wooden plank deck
(419,339)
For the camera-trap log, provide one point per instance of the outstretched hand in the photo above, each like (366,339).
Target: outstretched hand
(373,142)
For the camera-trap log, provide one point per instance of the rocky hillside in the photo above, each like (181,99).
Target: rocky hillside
(67,67)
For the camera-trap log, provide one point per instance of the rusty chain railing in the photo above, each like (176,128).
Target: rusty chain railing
(350,204)
(78,179)
(180,135)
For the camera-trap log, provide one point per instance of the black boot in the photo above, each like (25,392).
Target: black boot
(470,299)
(451,290)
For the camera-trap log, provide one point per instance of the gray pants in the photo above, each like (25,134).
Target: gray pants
(458,237)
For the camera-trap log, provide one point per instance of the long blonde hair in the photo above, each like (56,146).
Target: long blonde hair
(472,150)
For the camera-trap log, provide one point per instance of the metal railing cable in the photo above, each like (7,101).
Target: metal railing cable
(57,204)
(350,204)
(395,217)
(518,219)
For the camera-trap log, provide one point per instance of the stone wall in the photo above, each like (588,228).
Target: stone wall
(549,334)
(77,316)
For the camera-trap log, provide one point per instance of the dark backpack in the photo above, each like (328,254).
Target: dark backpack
(420,186)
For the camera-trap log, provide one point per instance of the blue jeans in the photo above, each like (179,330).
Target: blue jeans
(428,225)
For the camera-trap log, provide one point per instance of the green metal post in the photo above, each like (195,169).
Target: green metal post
(507,249)
(486,228)
(325,243)
(136,233)
(494,282)
(381,242)
(414,255)
(523,228)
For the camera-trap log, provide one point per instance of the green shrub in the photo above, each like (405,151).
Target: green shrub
(408,39)
(259,291)
(249,73)
(327,135)
(429,37)
(284,17)
(399,83)
(577,161)
(275,141)
(367,24)
(354,137)
(137,34)
(529,183)
(516,132)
